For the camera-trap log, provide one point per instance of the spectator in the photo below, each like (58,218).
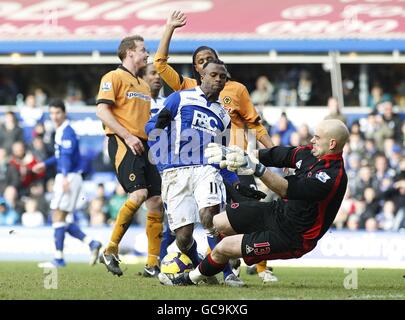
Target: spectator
(38,149)
(37,193)
(370,152)
(377,95)
(96,213)
(334,110)
(371,224)
(20,168)
(263,94)
(30,115)
(40,97)
(372,206)
(392,120)
(305,134)
(115,203)
(32,217)
(10,131)
(102,162)
(356,142)
(13,201)
(353,222)
(382,171)
(385,219)
(8,216)
(371,124)
(3,169)
(304,88)
(284,128)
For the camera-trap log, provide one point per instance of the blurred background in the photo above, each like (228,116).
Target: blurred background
(300,61)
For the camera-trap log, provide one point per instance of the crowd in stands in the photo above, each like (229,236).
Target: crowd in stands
(286,85)
(374,161)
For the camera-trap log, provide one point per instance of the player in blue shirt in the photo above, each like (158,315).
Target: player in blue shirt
(67,184)
(192,190)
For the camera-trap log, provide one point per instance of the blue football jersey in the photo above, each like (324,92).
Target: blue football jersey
(67,154)
(195,122)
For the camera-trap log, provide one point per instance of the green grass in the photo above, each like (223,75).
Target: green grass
(24,280)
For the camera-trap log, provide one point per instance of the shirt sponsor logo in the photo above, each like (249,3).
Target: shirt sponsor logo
(322,176)
(131,95)
(202,120)
(106,86)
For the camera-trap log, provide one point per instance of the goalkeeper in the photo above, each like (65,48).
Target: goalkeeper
(289,227)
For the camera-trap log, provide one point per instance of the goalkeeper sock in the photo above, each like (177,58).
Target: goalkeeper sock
(208,267)
(59,229)
(212,242)
(167,239)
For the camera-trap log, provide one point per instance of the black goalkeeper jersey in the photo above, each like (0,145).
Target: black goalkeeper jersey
(315,192)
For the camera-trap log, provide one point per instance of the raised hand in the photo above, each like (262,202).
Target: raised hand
(176,20)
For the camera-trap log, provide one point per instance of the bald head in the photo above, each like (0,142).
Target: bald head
(330,137)
(336,129)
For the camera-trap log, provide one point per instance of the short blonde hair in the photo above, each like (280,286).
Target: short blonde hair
(127,43)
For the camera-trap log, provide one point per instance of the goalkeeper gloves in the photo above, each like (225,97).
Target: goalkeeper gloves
(250,192)
(235,159)
(215,153)
(238,160)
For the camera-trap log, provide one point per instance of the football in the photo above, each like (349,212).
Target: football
(175,263)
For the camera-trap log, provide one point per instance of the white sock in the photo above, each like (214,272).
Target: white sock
(58,254)
(196,276)
(87,240)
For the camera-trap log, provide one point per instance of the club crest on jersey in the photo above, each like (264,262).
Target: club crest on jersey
(227,100)
(106,86)
(322,176)
(298,164)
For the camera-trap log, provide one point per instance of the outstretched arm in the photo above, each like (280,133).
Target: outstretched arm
(166,72)
(176,20)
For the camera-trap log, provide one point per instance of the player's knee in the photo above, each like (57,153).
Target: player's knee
(58,216)
(226,247)
(206,215)
(220,252)
(139,196)
(221,223)
(154,204)
(206,220)
(183,241)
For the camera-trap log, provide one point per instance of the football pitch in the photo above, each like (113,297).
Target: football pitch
(24,280)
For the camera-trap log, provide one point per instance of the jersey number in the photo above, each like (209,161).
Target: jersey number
(213,188)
